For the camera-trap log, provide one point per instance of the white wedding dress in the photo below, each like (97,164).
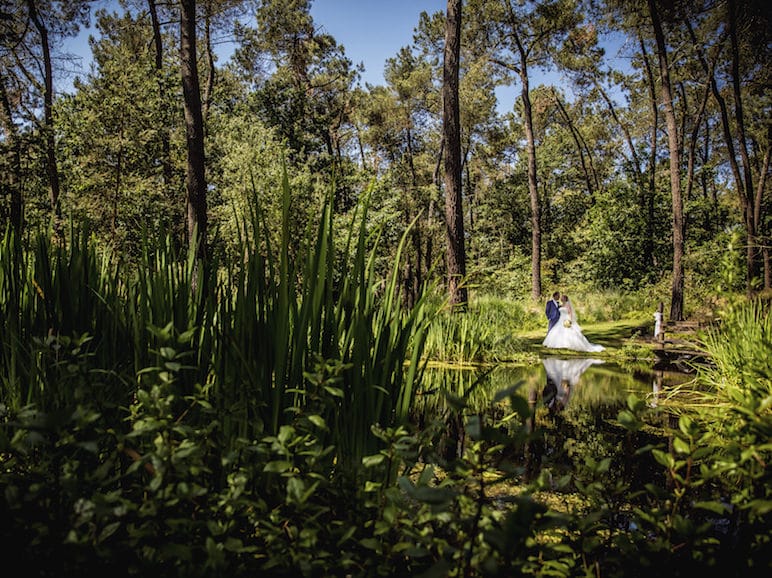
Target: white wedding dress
(566,334)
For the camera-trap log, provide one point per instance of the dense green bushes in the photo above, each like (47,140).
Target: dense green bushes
(255,419)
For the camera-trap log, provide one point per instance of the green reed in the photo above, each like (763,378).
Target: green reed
(741,351)
(288,317)
(257,332)
(60,304)
(488,330)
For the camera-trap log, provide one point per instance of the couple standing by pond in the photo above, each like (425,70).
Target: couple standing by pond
(563,331)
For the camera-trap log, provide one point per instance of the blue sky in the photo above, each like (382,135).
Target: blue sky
(372,30)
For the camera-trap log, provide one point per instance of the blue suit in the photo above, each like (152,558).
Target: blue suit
(552,313)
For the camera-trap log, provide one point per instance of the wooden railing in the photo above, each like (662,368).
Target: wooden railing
(673,339)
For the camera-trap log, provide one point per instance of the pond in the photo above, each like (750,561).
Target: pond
(583,383)
(573,401)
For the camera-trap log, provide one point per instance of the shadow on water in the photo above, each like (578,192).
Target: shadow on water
(588,383)
(574,404)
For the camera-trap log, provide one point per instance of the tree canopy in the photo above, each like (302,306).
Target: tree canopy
(635,147)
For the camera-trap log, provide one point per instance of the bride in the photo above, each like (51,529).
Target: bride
(566,334)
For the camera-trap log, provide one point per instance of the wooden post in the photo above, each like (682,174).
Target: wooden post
(659,333)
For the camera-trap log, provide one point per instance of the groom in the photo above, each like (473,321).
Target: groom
(551,311)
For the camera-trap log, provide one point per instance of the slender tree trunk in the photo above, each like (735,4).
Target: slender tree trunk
(692,146)
(681,99)
(454,216)
(625,131)
(709,68)
(360,145)
(741,177)
(411,273)
(11,181)
(436,179)
(677,283)
(159,66)
(194,130)
(751,218)
(409,144)
(117,191)
(763,230)
(590,180)
(210,71)
(469,186)
(48,113)
(533,187)
(651,189)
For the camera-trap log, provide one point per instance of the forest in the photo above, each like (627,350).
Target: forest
(222,280)
(617,178)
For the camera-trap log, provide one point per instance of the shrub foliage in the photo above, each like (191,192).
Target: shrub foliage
(254,417)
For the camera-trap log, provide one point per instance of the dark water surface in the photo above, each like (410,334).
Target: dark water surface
(581,384)
(574,404)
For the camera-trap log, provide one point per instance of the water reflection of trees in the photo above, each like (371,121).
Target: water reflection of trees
(554,437)
(480,386)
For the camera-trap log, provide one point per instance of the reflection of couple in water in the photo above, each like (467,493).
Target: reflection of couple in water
(562,376)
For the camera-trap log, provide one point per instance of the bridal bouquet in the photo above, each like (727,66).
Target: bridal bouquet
(567,323)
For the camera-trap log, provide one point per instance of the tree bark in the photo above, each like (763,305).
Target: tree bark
(533,185)
(651,189)
(210,72)
(456,252)
(759,205)
(11,180)
(677,283)
(48,115)
(746,191)
(159,63)
(590,179)
(195,180)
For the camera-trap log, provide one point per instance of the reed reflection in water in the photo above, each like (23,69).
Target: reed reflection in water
(597,390)
(593,382)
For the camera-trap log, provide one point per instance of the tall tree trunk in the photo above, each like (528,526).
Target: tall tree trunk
(651,189)
(677,283)
(760,204)
(48,114)
(581,147)
(742,177)
(210,71)
(11,181)
(626,132)
(117,188)
(711,221)
(194,130)
(747,192)
(411,273)
(454,216)
(159,64)
(533,187)
(692,146)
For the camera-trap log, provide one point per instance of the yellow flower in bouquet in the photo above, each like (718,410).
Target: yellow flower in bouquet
(567,323)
